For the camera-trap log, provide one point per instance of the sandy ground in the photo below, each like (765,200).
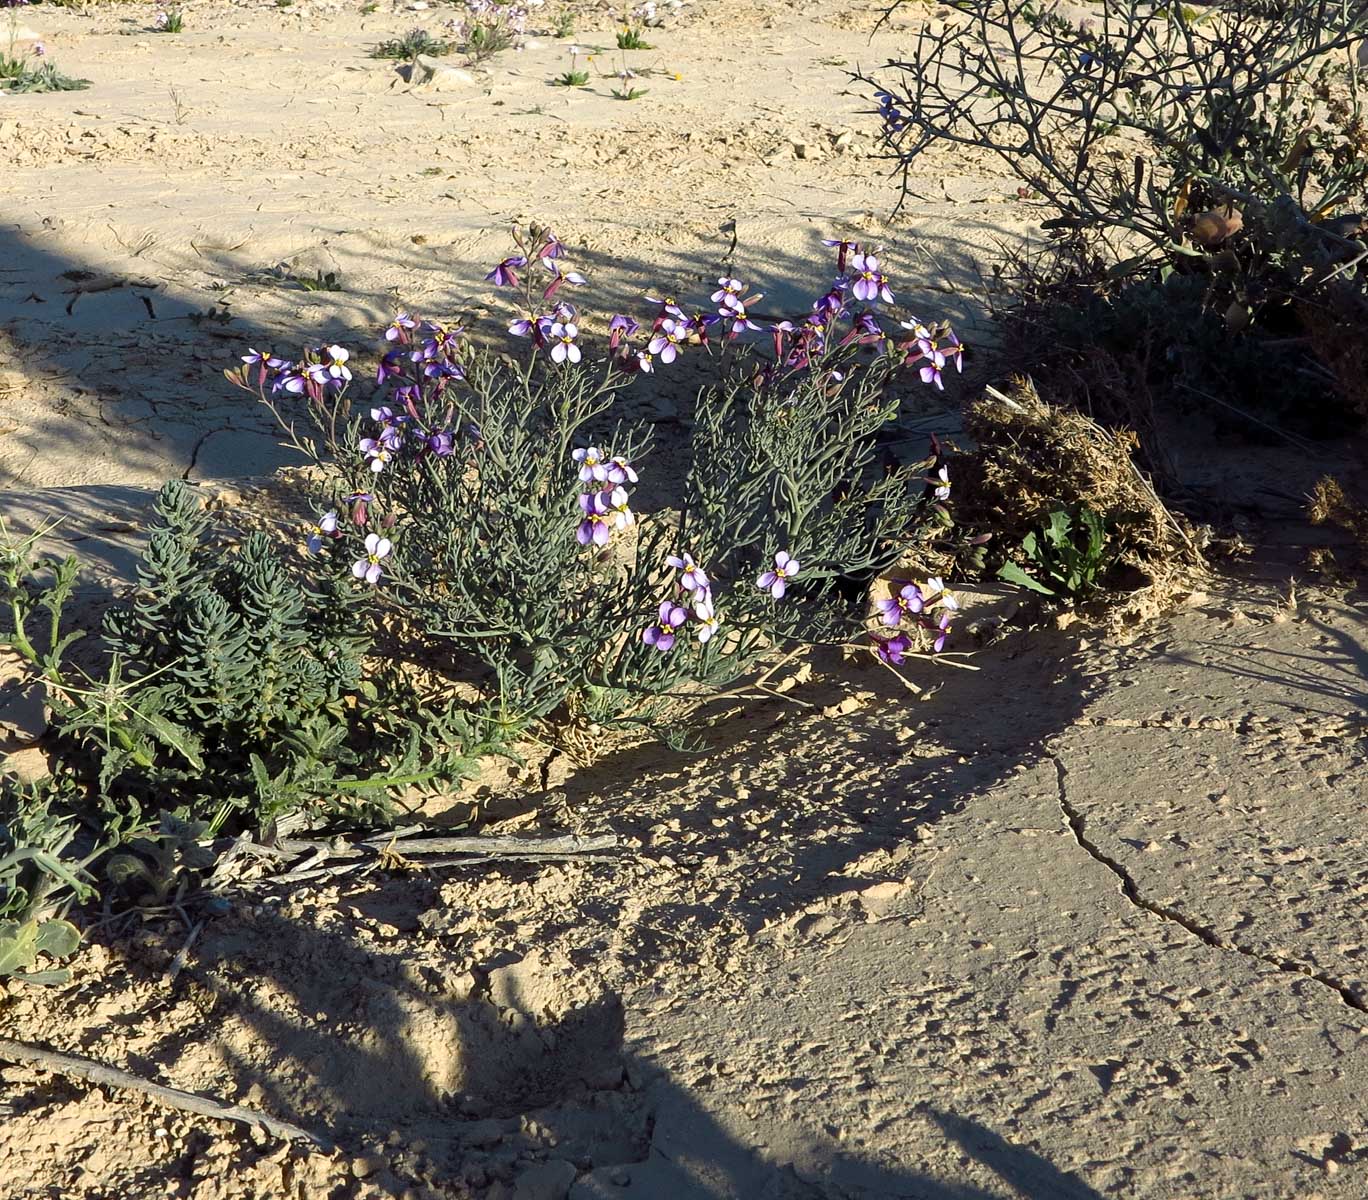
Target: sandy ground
(1089,922)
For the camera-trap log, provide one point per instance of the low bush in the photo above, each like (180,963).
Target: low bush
(477,574)
(483,502)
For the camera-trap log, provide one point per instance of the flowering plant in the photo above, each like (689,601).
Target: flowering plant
(486,502)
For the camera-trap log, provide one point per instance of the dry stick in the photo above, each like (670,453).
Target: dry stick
(204,1106)
(493,846)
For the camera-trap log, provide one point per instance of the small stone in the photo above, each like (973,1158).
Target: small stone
(366,1165)
(547,1181)
(442,78)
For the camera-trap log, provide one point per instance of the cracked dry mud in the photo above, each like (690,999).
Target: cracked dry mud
(1087,923)
(1102,937)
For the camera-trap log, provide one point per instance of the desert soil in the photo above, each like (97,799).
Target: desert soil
(1086,922)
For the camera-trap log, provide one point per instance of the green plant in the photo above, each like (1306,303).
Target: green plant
(565,24)
(39,879)
(18,75)
(630,39)
(629,93)
(233,691)
(161,862)
(476,498)
(169,21)
(576,79)
(1072,552)
(412,44)
(330,281)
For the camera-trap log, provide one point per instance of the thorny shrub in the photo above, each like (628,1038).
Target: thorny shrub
(1211,165)
(483,503)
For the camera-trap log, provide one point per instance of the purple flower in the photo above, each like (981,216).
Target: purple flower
(865,329)
(617,510)
(389,366)
(954,349)
(936,596)
(360,502)
(775,581)
(39,50)
(620,327)
(441,443)
(831,305)
(694,578)
(932,361)
(707,618)
(336,367)
(538,329)
(668,339)
(252,357)
(907,602)
(564,338)
(559,278)
(505,274)
(891,650)
(661,635)
(695,328)
(943,627)
(369,568)
(592,467)
(869,284)
(844,247)
(595,526)
(400,327)
(378,451)
(326,528)
(737,320)
(941,481)
(728,290)
(621,471)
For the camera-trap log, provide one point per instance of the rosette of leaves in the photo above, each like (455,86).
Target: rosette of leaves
(1068,557)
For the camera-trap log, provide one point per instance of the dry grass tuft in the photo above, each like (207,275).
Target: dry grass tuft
(1032,459)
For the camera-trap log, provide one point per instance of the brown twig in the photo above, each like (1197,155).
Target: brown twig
(205,1106)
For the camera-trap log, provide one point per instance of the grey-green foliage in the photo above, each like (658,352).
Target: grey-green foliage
(486,560)
(795,462)
(1068,556)
(229,641)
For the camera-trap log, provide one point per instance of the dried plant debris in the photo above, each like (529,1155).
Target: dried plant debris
(1038,471)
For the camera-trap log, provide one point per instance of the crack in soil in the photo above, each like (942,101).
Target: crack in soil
(1077,825)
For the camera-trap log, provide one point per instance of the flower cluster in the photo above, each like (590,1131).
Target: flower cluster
(695,600)
(860,286)
(933,348)
(893,119)
(318,371)
(915,603)
(489,26)
(605,506)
